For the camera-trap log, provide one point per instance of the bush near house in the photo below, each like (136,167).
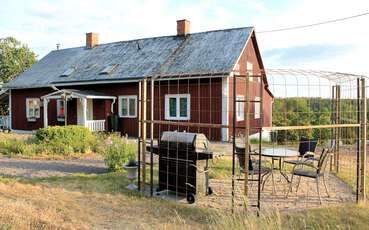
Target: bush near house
(66,139)
(70,141)
(55,140)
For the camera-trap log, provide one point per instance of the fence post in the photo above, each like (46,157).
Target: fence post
(338,132)
(363,138)
(332,160)
(139,136)
(247,132)
(143,131)
(152,92)
(358,136)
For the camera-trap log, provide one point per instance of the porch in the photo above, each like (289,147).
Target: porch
(81,102)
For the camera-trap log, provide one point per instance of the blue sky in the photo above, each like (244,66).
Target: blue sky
(340,47)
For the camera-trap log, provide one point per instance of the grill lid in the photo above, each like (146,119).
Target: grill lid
(197,140)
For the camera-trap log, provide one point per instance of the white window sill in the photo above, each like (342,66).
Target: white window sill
(31,119)
(127,116)
(178,118)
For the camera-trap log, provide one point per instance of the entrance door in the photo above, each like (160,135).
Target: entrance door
(80,112)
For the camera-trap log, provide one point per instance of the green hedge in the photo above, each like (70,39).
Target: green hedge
(66,139)
(70,140)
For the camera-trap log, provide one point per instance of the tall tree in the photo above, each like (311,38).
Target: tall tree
(15,58)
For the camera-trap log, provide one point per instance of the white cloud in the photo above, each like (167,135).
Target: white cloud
(351,32)
(42,24)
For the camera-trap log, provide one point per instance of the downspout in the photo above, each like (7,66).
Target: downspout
(112,106)
(113,123)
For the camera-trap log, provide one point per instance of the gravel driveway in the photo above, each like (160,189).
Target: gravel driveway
(46,168)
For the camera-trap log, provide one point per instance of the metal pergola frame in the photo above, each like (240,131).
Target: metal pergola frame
(336,125)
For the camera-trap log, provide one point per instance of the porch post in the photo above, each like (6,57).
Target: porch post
(65,112)
(45,101)
(84,111)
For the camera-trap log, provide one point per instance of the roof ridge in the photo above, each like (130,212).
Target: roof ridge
(216,51)
(154,37)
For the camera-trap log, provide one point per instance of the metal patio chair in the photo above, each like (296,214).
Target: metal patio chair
(253,164)
(306,149)
(306,168)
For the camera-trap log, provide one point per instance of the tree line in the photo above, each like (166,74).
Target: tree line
(300,111)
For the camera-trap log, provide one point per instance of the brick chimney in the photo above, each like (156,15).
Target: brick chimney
(183,27)
(92,40)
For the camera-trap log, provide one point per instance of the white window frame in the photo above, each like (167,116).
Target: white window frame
(250,70)
(240,108)
(128,97)
(257,108)
(33,118)
(177,97)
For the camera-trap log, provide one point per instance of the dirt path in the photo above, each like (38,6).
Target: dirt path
(46,168)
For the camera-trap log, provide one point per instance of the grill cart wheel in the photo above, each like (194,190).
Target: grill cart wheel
(191,198)
(210,191)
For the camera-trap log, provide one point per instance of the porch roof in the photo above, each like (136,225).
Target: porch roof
(75,93)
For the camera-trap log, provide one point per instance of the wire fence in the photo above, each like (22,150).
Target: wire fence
(241,141)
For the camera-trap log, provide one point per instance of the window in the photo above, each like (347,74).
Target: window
(177,107)
(109,69)
(240,108)
(60,110)
(127,106)
(249,70)
(67,72)
(32,108)
(257,107)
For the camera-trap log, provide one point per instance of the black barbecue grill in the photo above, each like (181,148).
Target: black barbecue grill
(183,164)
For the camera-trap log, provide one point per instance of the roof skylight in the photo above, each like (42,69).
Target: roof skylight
(67,72)
(109,69)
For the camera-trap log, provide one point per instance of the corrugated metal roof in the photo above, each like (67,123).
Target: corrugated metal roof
(205,52)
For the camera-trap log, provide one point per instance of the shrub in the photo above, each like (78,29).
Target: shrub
(100,145)
(12,147)
(65,139)
(118,152)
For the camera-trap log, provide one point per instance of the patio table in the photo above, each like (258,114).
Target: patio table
(277,154)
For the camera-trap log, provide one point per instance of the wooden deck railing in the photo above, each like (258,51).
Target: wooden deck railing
(96,125)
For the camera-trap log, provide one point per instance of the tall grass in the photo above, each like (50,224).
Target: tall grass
(246,220)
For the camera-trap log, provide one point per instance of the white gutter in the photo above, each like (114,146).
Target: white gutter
(136,80)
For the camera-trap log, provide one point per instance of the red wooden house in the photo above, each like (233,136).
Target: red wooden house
(85,85)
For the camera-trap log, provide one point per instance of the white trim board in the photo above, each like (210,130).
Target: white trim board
(225,107)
